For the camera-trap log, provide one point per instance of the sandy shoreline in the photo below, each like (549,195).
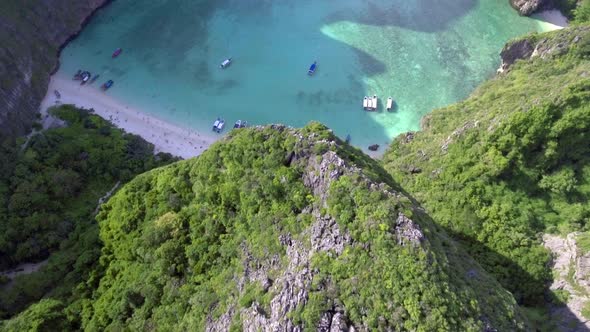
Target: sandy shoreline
(166,137)
(553,18)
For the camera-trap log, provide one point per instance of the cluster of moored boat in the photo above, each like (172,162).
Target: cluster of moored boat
(219,124)
(370,103)
(86,77)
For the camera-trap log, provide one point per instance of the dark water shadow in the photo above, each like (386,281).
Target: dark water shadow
(427,16)
(153,32)
(370,65)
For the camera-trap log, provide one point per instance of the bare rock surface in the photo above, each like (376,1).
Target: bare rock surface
(545,48)
(291,287)
(521,49)
(567,257)
(528,7)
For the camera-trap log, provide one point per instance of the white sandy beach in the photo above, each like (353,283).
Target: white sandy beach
(553,19)
(166,137)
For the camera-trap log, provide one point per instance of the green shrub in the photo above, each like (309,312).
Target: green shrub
(48,194)
(582,12)
(586,310)
(510,162)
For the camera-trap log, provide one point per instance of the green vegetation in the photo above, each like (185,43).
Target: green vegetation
(583,242)
(510,162)
(560,296)
(582,12)
(48,193)
(58,177)
(577,11)
(46,315)
(179,240)
(586,310)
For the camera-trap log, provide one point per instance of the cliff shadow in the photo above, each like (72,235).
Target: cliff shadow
(419,15)
(545,309)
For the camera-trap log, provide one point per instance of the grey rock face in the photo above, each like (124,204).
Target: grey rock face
(545,48)
(569,260)
(338,324)
(522,49)
(28,54)
(407,231)
(528,7)
(582,266)
(291,286)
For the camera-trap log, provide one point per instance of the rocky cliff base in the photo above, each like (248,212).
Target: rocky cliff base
(543,46)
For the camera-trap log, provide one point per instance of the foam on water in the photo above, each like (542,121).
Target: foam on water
(423,53)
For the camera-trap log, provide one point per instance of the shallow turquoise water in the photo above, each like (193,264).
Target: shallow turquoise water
(423,53)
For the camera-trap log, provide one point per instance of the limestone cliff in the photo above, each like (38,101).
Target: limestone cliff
(528,7)
(543,46)
(32,33)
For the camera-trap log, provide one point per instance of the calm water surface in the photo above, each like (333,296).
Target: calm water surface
(423,53)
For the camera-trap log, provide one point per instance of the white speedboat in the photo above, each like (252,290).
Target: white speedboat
(389,103)
(220,125)
(215,124)
(225,63)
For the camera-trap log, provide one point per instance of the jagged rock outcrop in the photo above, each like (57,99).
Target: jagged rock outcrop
(32,34)
(528,7)
(572,271)
(291,287)
(521,49)
(553,44)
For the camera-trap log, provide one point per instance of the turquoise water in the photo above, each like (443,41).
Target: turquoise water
(423,53)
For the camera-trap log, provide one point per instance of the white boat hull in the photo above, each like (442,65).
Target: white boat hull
(389,103)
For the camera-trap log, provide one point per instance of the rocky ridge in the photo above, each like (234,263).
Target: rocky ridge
(544,46)
(291,287)
(353,258)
